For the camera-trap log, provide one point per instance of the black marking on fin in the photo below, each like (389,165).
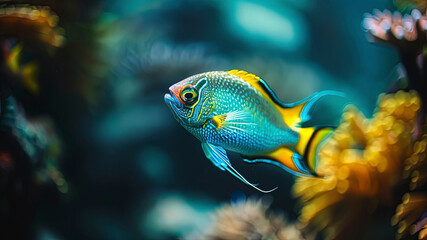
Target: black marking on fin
(307,148)
(276,100)
(271,93)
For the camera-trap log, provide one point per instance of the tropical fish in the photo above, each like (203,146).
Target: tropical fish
(237,111)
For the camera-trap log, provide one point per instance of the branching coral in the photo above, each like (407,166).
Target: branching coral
(402,32)
(361,163)
(408,34)
(248,220)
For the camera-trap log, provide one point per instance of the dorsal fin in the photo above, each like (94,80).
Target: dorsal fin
(258,84)
(293,110)
(294,114)
(248,77)
(262,87)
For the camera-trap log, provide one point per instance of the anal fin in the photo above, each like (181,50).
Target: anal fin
(284,158)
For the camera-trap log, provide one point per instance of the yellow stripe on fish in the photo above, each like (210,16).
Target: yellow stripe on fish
(291,116)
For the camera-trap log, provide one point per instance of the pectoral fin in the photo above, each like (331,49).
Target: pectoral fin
(232,121)
(219,158)
(217,155)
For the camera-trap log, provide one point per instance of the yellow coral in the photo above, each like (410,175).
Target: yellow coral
(360,165)
(409,213)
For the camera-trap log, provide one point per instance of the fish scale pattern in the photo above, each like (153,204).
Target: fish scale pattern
(259,130)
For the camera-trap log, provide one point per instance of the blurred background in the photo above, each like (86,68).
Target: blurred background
(119,165)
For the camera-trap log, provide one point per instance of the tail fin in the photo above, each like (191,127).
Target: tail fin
(304,160)
(295,114)
(301,163)
(311,139)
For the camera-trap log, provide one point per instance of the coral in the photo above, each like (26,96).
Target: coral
(408,35)
(248,220)
(407,32)
(410,215)
(31,22)
(361,165)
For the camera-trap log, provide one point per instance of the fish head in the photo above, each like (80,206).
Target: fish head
(190,100)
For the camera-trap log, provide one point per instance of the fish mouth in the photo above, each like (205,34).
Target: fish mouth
(172,100)
(174,105)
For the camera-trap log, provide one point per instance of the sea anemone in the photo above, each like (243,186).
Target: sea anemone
(248,219)
(361,165)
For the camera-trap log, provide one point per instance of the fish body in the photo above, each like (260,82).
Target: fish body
(237,111)
(257,126)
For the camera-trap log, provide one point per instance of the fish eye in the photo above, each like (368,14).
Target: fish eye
(189,95)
